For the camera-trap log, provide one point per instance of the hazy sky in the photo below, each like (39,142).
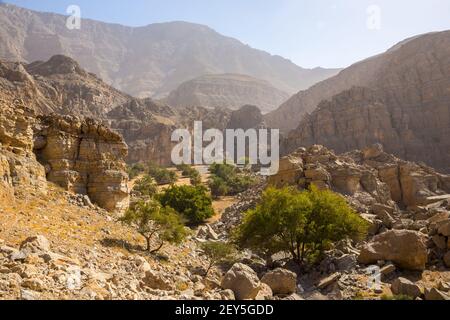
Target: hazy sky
(328,33)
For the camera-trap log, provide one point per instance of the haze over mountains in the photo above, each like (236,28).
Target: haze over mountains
(227,91)
(145,61)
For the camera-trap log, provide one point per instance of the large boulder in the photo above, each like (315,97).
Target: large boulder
(243,281)
(281,281)
(402,286)
(405,248)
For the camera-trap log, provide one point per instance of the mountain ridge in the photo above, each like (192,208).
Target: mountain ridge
(147,61)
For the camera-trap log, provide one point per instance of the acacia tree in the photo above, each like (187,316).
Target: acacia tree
(150,219)
(301,223)
(217,252)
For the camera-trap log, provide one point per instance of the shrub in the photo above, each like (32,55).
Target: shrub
(218,252)
(301,223)
(228,180)
(193,202)
(218,186)
(150,219)
(196,179)
(135,170)
(162,175)
(146,186)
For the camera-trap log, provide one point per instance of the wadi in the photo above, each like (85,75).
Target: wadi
(171,162)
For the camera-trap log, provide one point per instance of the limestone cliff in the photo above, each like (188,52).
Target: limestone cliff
(19,171)
(403,103)
(84,157)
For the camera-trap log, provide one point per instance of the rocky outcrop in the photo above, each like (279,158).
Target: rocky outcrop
(398,99)
(230,91)
(247,117)
(405,248)
(243,281)
(369,176)
(84,157)
(19,170)
(281,281)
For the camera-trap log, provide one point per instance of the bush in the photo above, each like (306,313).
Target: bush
(218,186)
(218,252)
(146,186)
(196,179)
(228,180)
(150,219)
(162,175)
(193,202)
(135,170)
(301,223)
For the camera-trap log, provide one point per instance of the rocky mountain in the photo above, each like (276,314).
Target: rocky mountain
(227,91)
(145,61)
(419,62)
(62,87)
(401,101)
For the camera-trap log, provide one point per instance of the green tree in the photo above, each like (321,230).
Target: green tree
(227,179)
(302,223)
(193,202)
(218,187)
(146,186)
(218,252)
(150,219)
(135,170)
(162,175)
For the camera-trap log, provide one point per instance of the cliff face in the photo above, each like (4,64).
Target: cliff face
(227,91)
(84,157)
(406,107)
(19,170)
(413,70)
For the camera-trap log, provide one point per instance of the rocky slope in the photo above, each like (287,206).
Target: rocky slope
(227,91)
(403,104)
(412,73)
(144,61)
(407,207)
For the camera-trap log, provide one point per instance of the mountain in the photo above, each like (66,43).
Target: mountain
(366,73)
(60,86)
(400,99)
(145,61)
(227,91)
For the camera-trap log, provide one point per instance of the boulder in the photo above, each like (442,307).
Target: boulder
(402,286)
(404,248)
(243,281)
(444,228)
(447,259)
(36,244)
(281,281)
(265,293)
(435,295)
(157,281)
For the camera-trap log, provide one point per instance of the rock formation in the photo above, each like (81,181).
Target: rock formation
(398,99)
(19,170)
(370,175)
(84,157)
(230,91)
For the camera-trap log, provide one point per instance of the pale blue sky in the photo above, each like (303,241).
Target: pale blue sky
(328,33)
